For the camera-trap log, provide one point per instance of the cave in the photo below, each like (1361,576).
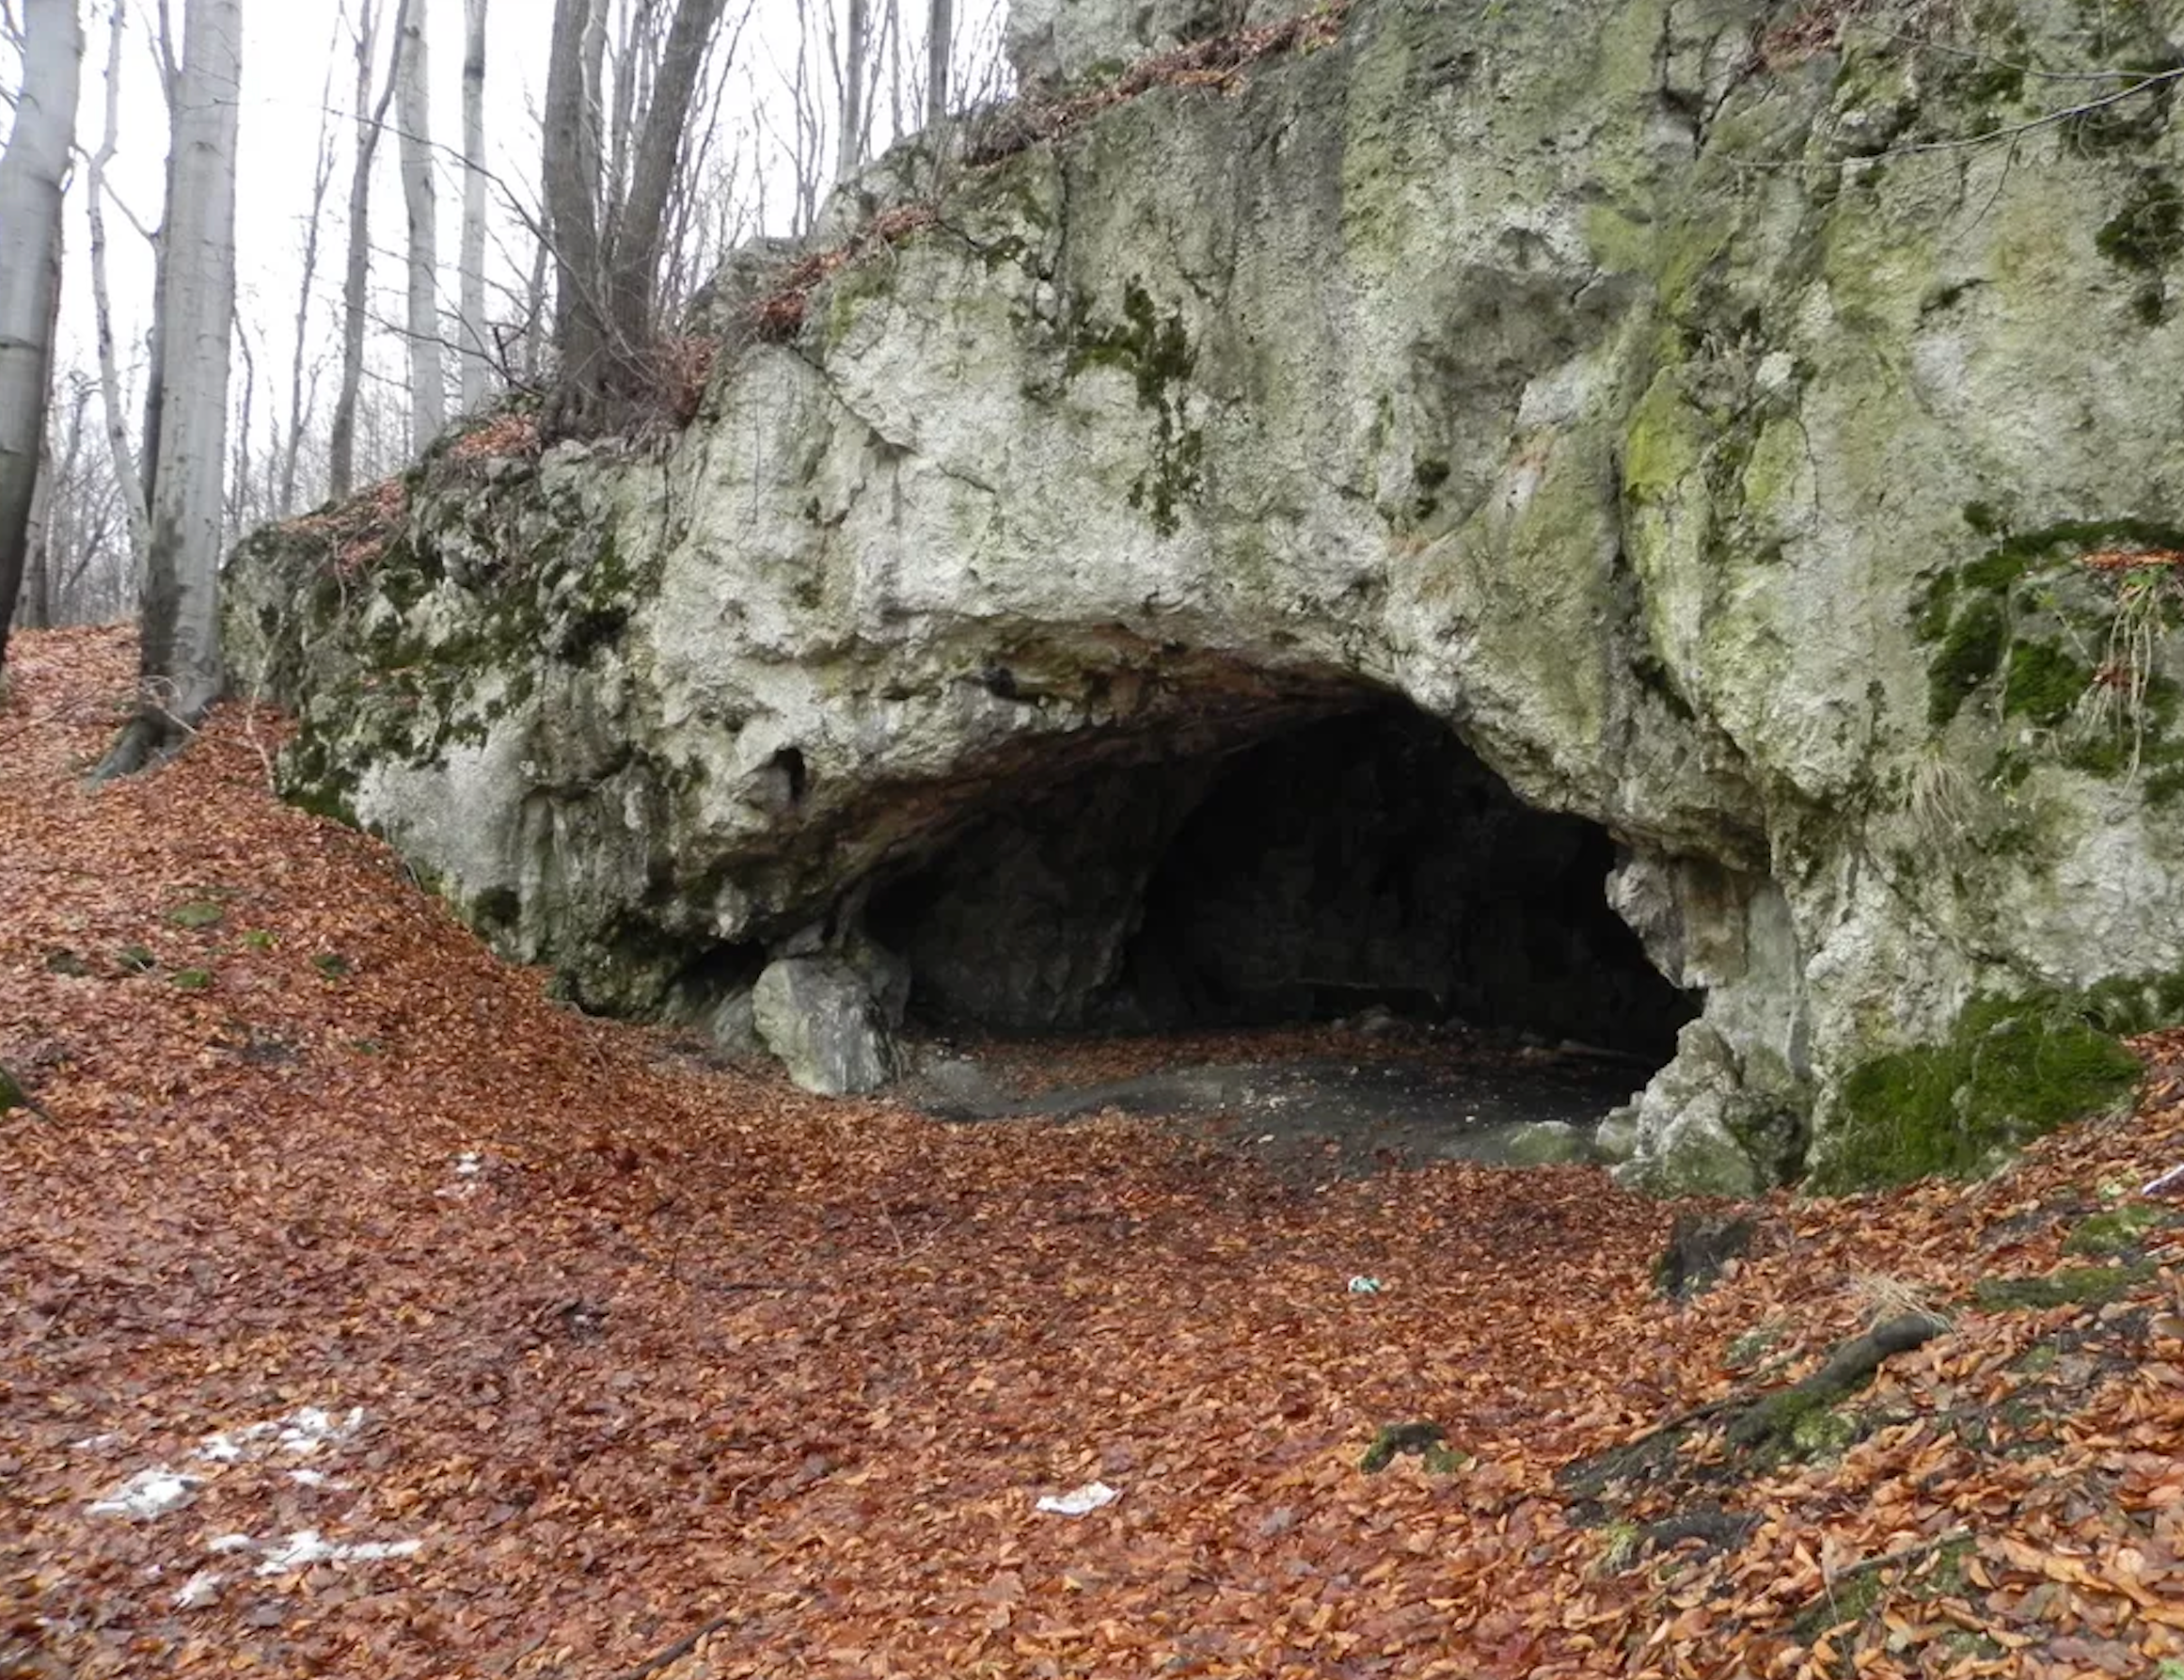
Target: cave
(1361,864)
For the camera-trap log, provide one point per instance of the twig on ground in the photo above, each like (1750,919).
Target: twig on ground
(669,1655)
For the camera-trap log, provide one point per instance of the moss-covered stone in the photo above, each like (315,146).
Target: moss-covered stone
(1971,652)
(1156,351)
(2012,1070)
(2119,1231)
(2072,1286)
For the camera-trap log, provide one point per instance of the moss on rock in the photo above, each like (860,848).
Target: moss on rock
(2011,1071)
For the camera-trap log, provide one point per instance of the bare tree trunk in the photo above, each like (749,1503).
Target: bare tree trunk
(30,261)
(850,51)
(570,169)
(475,363)
(298,413)
(428,393)
(181,658)
(34,606)
(155,361)
(341,447)
(127,479)
(236,514)
(940,49)
(637,242)
(535,304)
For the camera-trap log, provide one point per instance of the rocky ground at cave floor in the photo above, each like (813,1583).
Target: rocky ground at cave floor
(369,1314)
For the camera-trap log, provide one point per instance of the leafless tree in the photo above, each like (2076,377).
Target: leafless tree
(31,180)
(179,662)
(850,48)
(428,393)
(476,361)
(939,46)
(342,448)
(300,400)
(608,247)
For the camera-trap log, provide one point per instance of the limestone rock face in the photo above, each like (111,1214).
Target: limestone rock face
(1703,424)
(818,1014)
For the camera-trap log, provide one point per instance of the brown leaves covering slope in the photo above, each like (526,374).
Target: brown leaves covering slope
(641,1344)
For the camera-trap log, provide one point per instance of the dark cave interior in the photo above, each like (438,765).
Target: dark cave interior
(1317,869)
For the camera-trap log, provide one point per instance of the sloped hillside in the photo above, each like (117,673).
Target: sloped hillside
(370,1314)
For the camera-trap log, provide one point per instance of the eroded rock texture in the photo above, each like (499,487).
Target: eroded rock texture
(1705,429)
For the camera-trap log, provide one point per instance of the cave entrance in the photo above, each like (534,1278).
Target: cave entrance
(1325,868)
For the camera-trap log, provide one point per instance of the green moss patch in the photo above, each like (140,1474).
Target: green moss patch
(2011,1071)
(1155,349)
(2072,1286)
(2073,651)
(201,913)
(2119,1231)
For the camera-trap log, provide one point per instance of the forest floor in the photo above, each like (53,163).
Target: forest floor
(367,1313)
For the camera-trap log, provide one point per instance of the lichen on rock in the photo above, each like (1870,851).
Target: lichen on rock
(1729,465)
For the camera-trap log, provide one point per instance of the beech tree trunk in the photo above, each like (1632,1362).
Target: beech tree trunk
(179,666)
(659,154)
(30,256)
(571,173)
(428,393)
(849,74)
(126,476)
(356,277)
(476,367)
(940,47)
(282,497)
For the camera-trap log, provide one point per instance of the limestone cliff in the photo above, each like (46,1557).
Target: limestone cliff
(1758,444)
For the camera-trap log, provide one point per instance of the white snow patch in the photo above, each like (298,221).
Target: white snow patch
(93,1443)
(229,1542)
(314,1479)
(148,1493)
(1079,1502)
(305,1546)
(470,1169)
(303,1433)
(198,1590)
(307,1430)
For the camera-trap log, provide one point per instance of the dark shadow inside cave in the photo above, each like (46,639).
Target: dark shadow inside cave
(1323,869)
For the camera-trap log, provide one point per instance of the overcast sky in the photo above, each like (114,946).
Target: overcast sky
(288,49)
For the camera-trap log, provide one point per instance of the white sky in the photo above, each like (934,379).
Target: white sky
(287,48)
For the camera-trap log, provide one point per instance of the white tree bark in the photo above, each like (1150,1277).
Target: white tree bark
(180,661)
(126,478)
(475,366)
(31,251)
(428,394)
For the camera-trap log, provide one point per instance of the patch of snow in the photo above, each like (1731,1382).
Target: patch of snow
(305,1546)
(198,1590)
(314,1479)
(146,1494)
(229,1542)
(303,1431)
(93,1443)
(1079,1502)
(467,1165)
